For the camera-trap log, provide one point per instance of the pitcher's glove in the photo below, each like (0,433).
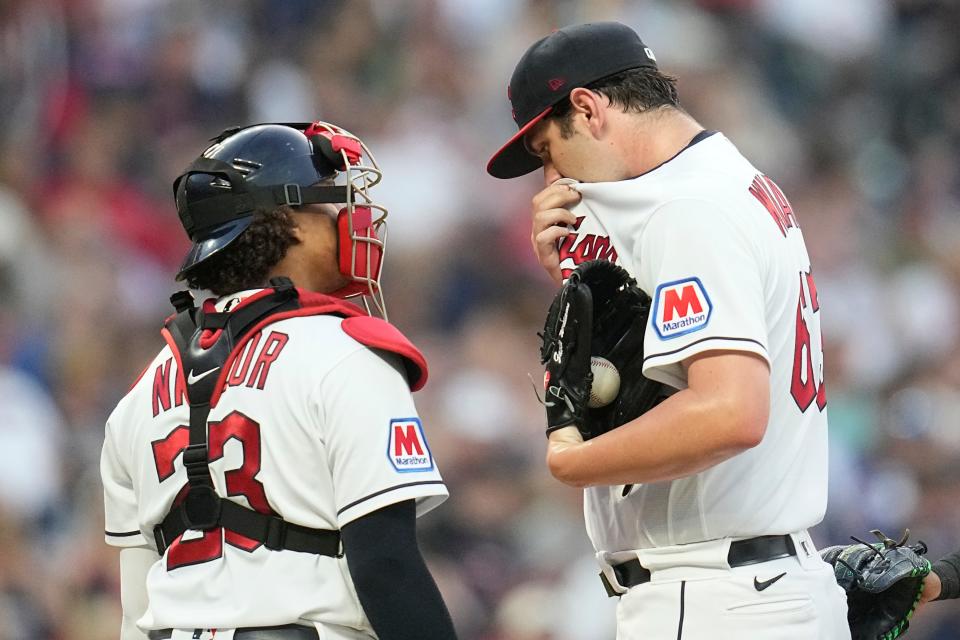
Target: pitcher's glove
(599,311)
(883,582)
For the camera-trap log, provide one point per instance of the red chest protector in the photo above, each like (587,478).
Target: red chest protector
(205,343)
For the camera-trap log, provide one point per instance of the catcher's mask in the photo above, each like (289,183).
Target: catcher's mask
(264,166)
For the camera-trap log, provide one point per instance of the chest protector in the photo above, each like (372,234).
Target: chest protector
(205,345)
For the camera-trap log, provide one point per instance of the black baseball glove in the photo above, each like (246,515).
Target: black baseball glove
(600,311)
(883,582)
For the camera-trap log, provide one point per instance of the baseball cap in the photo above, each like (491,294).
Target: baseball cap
(554,66)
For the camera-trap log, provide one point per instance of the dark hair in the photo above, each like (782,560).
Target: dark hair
(637,90)
(245,262)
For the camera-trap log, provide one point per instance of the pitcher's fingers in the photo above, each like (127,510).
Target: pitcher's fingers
(551,218)
(545,245)
(555,196)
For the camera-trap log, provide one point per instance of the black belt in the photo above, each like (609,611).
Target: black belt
(742,552)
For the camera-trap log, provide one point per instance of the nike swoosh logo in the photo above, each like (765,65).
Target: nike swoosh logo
(760,586)
(192,379)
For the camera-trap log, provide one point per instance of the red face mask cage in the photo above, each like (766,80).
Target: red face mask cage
(361,223)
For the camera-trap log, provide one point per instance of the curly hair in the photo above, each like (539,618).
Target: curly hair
(245,263)
(635,90)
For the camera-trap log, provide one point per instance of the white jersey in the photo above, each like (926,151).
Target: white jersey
(313,426)
(716,246)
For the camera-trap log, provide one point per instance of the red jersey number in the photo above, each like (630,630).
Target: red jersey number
(239,482)
(807,383)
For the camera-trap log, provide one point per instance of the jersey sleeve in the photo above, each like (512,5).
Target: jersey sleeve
(119,500)
(704,276)
(376,443)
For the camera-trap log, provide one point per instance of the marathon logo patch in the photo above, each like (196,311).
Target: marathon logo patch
(407,449)
(681,307)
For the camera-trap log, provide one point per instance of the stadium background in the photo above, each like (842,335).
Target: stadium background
(853,106)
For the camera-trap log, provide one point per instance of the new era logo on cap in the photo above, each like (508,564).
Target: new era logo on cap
(556,83)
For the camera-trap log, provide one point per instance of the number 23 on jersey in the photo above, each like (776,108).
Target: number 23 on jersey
(239,482)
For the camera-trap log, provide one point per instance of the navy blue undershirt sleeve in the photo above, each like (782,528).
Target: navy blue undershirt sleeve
(948,568)
(393,583)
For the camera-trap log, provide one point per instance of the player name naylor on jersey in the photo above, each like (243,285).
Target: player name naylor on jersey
(681,307)
(407,448)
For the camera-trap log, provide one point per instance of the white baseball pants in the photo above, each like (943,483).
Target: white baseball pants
(694,594)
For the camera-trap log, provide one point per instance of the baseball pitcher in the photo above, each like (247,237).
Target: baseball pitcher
(699,501)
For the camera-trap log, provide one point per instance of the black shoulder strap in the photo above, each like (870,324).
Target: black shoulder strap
(202,509)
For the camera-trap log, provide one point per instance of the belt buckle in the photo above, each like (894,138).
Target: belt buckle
(611,583)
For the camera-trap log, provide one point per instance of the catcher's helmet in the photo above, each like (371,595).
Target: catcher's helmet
(267,165)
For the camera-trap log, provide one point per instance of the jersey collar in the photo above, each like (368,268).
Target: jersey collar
(233,300)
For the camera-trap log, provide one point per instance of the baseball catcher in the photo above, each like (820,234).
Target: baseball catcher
(244,472)
(600,311)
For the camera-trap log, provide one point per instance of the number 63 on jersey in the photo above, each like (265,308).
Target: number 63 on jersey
(807,380)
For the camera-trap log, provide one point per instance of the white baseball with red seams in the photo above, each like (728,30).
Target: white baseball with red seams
(606,382)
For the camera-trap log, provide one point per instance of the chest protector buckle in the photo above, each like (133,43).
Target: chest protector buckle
(201,508)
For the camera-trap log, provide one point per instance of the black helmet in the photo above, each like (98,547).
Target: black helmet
(245,169)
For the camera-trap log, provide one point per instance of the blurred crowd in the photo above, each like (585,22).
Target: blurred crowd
(852,106)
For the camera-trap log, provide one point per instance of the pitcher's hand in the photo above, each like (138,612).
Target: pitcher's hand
(551,218)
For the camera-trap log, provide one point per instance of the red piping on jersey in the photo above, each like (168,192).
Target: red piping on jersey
(221,381)
(315,304)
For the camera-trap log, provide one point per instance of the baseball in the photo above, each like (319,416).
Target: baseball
(606,382)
